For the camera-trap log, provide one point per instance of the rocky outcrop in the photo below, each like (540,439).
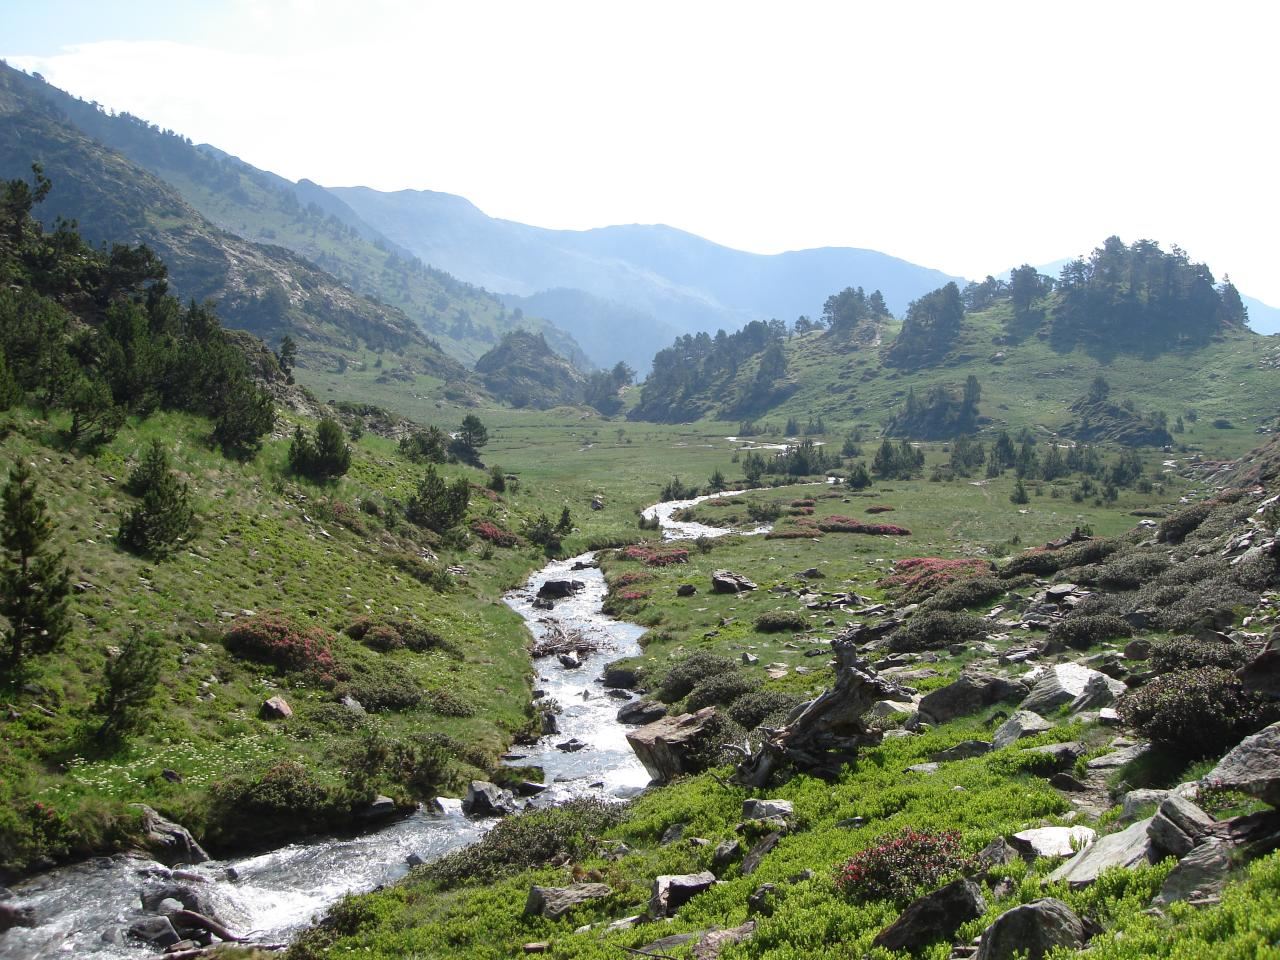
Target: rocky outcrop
(936,916)
(1199,876)
(1065,682)
(642,711)
(1032,930)
(169,842)
(1024,723)
(666,747)
(725,581)
(554,902)
(1129,848)
(1252,767)
(969,694)
(1178,826)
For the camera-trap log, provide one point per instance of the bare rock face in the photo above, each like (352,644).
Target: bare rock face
(665,746)
(169,842)
(1252,767)
(936,916)
(1032,930)
(1024,723)
(555,902)
(1067,682)
(1129,848)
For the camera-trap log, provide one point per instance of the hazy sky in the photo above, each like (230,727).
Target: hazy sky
(964,136)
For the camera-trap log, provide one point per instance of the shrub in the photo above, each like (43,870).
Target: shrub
(448,704)
(916,578)
(1131,571)
(1188,653)
(1083,632)
(382,685)
(1042,561)
(1196,713)
(761,706)
(323,457)
(1176,528)
(879,508)
(488,530)
(900,865)
(966,593)
(721,690)
(687,673)
(388,635)
(130,681)
(838,524)
(655,555)
(165,516)
(438,505)
(932,629)
(777,621)
(260,807)
(274,639)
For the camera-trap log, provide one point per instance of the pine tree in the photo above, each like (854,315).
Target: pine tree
(565,523)
(34,581)
(10,389)
(438,505)
(165,515)
(130,678)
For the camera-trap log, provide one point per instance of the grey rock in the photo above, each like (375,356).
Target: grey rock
(963,750)
(763,809)
(1032,930)
(672,834)
(713,942)
(935,916)
(1023,723)
(672,891)
(642,712)
(1064,781)
(168,842)
(1099,691)
(1178,826)
(760,903)
(1063,683)
(380,808)
(1136,802)
(725,581)
(559,589)
(1139,649)
(1129,848)
(724,854)
(1200,875)
(620,676)
(555,902)
(12,915)
(759,850)
(1252,767)
(353,705)
(997,853)
(157,931)
(970,693)
(667,747)
(1052,841)
(923,768)
(569,660)
(664,944)
(276,708)
(572,745)
(1063,754)
(1262,674)
(887,708)
(1119,758)
(485,799)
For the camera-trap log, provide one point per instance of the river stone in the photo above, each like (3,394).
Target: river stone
(968,694)
(1063,683)
(1032,930)
(276,708)
(157,931)
(665,746)
(963,750)
(169,842)
(725,581)
(555,902)
(485,799)
(1200,875)
(1023,723)
(1252,767)
(1179,825)
(1052,841)
(672,891)
(935,916)
(1129,848)
(559,589)
(569,660)
(12,916)
(642,712)
(200,898)
(763,809)
(620,676)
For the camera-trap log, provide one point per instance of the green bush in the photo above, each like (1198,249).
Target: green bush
(900,865)
(448,704)
(1171,654)
(274,639)
(721,690)
(382,685)
(687,673)
(966,593)
(165,516)
(933,629)
(388,635)
(1176,528)
(322,457)
(261,807)
(1041,561)
(1082,632)
(1196,713)
(769,707)
(776,621)
(1131,571)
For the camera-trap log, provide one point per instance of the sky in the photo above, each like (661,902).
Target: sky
(968,137)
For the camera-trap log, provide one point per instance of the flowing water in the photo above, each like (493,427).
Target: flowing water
(82,910)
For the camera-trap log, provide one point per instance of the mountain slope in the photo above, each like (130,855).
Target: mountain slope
(304,218)
(689,283)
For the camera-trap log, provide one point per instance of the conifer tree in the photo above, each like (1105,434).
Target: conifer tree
(130,679)
(34,580)
(165,515)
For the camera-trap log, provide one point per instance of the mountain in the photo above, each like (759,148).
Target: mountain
(523,371)
(688,283)
(303,218)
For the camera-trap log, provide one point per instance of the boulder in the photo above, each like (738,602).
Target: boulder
(1119,757)
(1032,930)
(714,941)
(1178,826)
(724,854)
(1137,802)
(1052,841)
(1129,848)
(1200,875)
(1252,767)
(569,660)
(1024,723)
(968,694)
(997,853)
(665,746)
(559,589)
(380,807)
(763,809)
(1063,683)
(887,708)
(1100,691)
(962,751)
(672,891)
(725,581)
(12,916)
(686,590)
(277,708)
(1064,781)
(169,842)
(157,931)
(555,902)
(572,745)
(759,850)
(485,799)
(353,705)
(619,676)
(935,916)
(642,711)
(1262,674)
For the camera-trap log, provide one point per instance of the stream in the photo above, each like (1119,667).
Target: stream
(82,910)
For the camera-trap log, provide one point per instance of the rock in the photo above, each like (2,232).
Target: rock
(1052,841)
(660,946)
(672,891)
(1262,674)
(997,853)
(1063,755)
(759,850)
(1032,930)
(1118,758)
(725,581)
(1135,802)
(1064,781)
(672,834)
(169,842)
(572,745)
(1252,767)
(760,903)
(1139,649)
(714,941)
(887,708)
(963,750)
(414,860)
(14,916)
(1099,691)
(1200,875)
(277,708)
(559,589)
(749,658)
(380,808)
(536,946)
(665,746)
(642,711)
(968,694)
(724,854)
(485,799)
(618,676)
(1063,683)
(530,788)
(569,660)
(162,899)
(763,809)
(555,902)
(1023,723)
(923,768)
(157,931)
(686,590)
(1178,826)
(352,704)
(169,905)
(549,724)
(935,916)
(1128,848)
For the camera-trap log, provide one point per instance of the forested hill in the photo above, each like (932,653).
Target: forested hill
(303,218)
(523,371)
(1168,341)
